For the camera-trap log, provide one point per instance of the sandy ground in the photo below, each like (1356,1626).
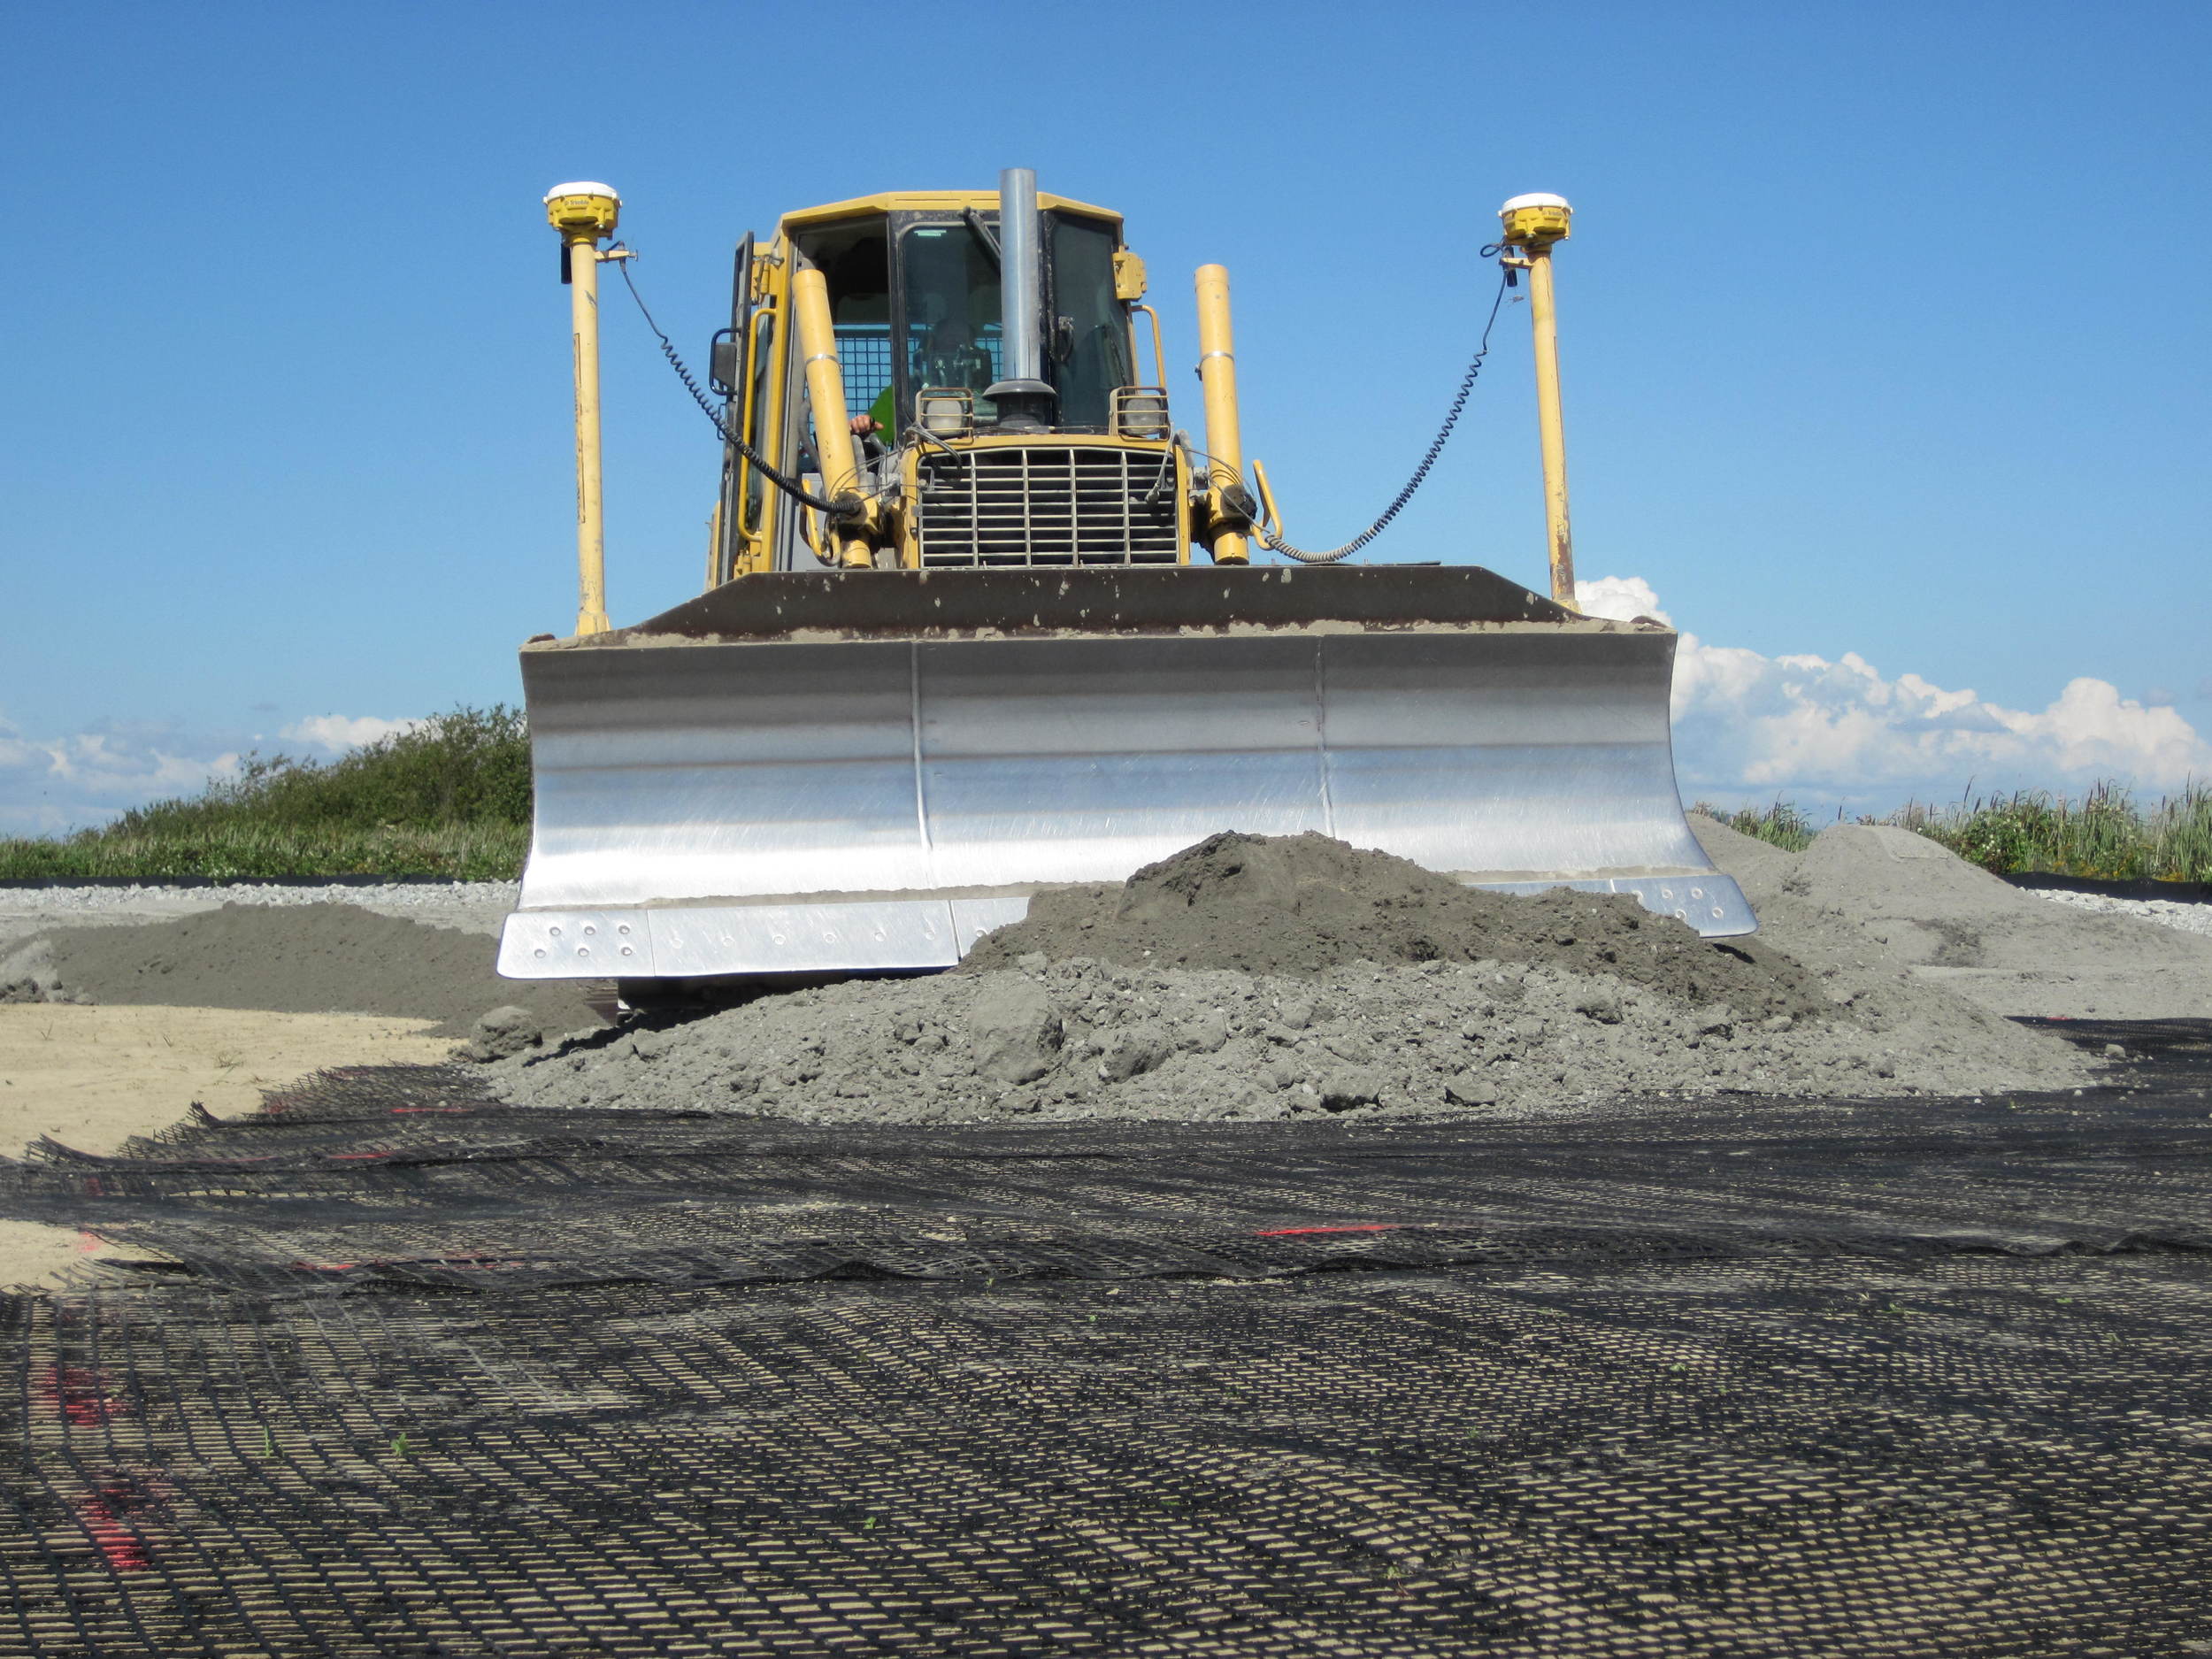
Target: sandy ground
(35,1256)
(94,1077)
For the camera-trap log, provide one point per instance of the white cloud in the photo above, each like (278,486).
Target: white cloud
(1621,598)
(336,732)
(1747,725)
(51,784)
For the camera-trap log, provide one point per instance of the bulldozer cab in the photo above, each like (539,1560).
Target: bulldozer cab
(916,298)
(916,302)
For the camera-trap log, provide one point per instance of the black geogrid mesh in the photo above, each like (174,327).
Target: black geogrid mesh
(1924,1377)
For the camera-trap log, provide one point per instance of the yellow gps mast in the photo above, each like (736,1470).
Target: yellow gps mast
(584,212)
(1532,224)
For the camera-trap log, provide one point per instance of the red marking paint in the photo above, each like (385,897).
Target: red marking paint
(76,1393)
(124,1550)
(1285,1232)
(88,1242)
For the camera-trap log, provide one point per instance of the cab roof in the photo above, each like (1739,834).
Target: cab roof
(928,202)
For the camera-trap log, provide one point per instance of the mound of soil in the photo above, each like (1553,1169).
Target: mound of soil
(1083,1039)
(291,959)
(1255,977)
(1869,898)
(1299,906)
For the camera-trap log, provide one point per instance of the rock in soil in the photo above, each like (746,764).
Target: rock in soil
(503,1031)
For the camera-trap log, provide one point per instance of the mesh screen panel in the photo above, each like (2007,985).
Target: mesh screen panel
(431,1376)
(863,354)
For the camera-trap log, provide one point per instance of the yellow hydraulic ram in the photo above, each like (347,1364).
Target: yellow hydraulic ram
(832,429)
(1224,442)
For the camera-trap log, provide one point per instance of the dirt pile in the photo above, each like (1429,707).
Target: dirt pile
(1257,978)
(302,959)
(1085,1039)
(1872,899)
(1305,904)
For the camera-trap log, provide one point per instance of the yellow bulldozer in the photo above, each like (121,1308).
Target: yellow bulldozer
(980,617)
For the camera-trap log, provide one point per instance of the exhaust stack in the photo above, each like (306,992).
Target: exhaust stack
(1025,402)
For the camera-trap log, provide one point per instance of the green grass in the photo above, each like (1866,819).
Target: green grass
(451,798)
(2105,833)
(1783,825)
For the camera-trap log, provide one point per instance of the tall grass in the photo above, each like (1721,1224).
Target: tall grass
(2105,833)
(1783,824)
(450,797)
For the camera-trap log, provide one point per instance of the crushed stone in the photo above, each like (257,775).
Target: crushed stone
(2187,917)
(296,959)
(1295,976)
(384,897)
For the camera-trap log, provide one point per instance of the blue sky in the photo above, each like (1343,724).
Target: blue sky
(1886,337)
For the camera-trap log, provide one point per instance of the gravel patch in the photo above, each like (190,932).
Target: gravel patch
(2189,918)
(401,895)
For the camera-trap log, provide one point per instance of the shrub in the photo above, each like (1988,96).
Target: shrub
(2104,834)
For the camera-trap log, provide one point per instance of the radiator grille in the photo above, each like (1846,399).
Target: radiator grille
(1047,504)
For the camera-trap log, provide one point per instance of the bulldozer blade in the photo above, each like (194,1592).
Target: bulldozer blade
(828,772)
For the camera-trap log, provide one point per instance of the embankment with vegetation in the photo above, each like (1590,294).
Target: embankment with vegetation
(2106,834)
(452,798)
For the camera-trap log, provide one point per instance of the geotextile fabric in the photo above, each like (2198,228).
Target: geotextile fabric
(420,1373)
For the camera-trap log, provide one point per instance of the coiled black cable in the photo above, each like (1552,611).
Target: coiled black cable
(790,487)
(1276,544)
